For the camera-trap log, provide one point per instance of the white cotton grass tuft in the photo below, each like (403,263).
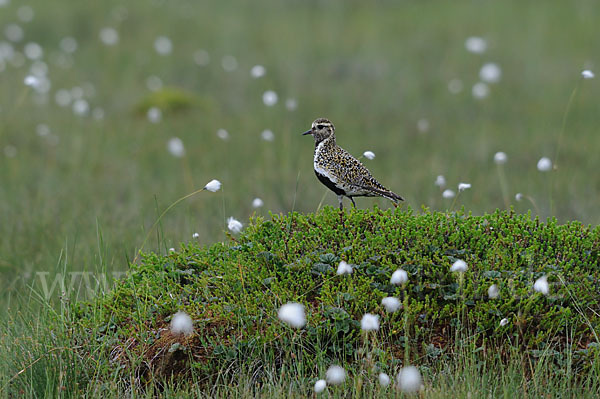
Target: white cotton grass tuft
(109,36)
(175,147)
(423,125)
(399,277)
(544,164)
(234,225)
(10,151)
(292,313)
(503,322)
(320,386)
(519,196)
(500,158)
(493,291)
(269,98)
(541,285)
(258,71)
(391,304)
(587,74)
(42,130)
(344,268)
(291,104)
(384,379)
(201,57)
(154,114)
(409,379)
(7,52)
(369,154)
(463,186)
(13,32)
(33,51)
(455,86)
(163,45)
(154,83)
(257,203)
(31,81)
(440,181)
(229,63)
(335,375)
(181,323)
(42,88)
(369,322)
(39,68)
(480,90)
(195,235)
(448,193)
(267,135)
(171,249)
(223,134)
(68,44)
(490,73)
(213,185)
(476,44)
(25,13)
(81,107)
(459,266)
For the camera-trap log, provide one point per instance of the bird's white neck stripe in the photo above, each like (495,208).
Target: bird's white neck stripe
(322,143)
(319,147)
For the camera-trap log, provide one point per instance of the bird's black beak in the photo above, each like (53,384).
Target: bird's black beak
(307,132)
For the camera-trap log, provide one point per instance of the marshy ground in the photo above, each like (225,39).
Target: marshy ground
(110,112)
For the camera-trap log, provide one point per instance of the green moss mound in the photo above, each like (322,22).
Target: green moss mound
(233,290)
(174,100)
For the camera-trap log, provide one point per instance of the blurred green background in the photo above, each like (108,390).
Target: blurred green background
(85,167)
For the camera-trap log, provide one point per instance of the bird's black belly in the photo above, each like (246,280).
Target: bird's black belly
(330,185)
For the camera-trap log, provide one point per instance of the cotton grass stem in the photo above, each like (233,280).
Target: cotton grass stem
(322,199)
(559,142)
(30,365)
(406,331)
(461,307)
(454,201)
(564,123)
(578,307)
(161,216)
(503,185)
(530,199)
(224,214)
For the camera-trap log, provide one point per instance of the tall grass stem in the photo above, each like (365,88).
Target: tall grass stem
(161,216)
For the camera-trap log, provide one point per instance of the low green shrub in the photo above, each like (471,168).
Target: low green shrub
(233,290)
(174,99)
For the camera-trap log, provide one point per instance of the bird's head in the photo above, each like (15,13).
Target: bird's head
(321,129)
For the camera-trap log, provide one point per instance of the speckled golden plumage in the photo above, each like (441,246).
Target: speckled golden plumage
(341,172)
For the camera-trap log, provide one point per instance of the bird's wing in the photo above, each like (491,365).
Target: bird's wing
(384,193)
(363,178)
(348,164)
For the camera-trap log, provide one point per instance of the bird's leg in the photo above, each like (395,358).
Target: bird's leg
(340,198)
(353,203)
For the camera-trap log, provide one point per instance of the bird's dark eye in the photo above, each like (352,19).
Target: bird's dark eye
(320,127)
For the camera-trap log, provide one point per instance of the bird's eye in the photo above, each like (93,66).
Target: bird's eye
(320,127)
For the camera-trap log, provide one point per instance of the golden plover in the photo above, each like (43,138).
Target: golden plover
(341,172)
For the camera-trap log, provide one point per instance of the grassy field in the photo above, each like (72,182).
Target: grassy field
(82,184)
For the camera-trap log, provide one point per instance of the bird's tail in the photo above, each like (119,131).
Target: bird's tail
(395,198)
